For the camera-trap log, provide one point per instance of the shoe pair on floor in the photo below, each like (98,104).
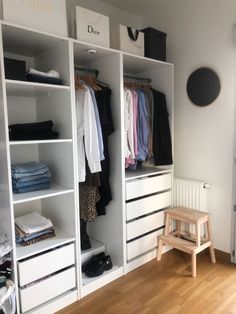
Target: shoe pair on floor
(97,265)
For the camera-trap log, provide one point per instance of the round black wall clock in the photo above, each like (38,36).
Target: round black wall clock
(203,86)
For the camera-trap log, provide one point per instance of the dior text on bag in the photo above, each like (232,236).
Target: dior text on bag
(128,39)
(92,27)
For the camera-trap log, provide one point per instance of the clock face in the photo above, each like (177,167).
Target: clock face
(203,86)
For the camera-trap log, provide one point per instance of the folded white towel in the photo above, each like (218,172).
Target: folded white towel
(51,73)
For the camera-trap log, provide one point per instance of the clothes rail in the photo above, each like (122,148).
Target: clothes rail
(86,70)
(137,79)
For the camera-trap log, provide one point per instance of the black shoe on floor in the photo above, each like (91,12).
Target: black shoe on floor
(92,260)
(98,268)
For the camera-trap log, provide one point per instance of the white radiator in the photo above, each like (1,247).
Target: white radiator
(191,193)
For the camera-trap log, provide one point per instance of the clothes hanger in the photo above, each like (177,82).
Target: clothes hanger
(78,84)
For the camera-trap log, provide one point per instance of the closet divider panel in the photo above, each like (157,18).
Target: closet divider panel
(5,196)
(56,106)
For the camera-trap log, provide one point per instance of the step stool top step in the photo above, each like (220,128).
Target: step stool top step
(187,214)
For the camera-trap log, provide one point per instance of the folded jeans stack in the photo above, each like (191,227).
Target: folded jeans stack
(32,131)
(50,77)
(31,176)
(33,227)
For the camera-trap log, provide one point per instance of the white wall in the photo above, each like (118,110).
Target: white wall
(200,33)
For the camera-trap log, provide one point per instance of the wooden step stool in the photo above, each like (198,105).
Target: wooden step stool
(184,240)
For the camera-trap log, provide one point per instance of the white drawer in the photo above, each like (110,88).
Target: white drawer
(47,289)
(147,185)
(45,264)
(143,244)
(144,225)
(147,205)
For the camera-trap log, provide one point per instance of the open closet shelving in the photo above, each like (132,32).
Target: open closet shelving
(133,218)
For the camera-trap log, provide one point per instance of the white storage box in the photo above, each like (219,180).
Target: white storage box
(92,27)
(45,15)
(128,39)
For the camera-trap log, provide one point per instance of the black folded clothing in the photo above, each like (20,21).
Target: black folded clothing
(41,126)
(43,79)
(38,135)
(32,131)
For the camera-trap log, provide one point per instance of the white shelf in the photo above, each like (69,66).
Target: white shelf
(137,64)
(145,171)
(89,280)
(82,56)
(26,41)
(32,89)
(36,195)
(96,248)
(61,238)
(36,142)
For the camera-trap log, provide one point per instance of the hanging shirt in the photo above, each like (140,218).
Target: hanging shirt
(131,160)
(128,123)
(143,128)
(98,125)
(87,136)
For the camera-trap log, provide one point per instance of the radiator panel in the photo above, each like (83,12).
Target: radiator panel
(191,194)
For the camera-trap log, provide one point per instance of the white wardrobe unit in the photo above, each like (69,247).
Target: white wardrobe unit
(106,232)
(134,218)
(50,264)
(148,191)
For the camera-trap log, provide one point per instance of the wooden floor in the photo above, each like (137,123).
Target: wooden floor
(167,287)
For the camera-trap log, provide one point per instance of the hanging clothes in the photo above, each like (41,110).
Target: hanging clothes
(146,125)
(87,135)
(103,98)
(162,147)
(94,187)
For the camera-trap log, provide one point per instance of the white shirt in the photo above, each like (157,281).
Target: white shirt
(129,124)
(87,136)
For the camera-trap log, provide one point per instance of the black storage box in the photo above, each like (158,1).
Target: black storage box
(154,43)
(15,69)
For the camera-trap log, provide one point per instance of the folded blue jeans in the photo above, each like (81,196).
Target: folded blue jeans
(35,187)
(17,184)
(27,169)
(32,178)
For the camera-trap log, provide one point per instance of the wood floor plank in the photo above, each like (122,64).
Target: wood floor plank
(166,287)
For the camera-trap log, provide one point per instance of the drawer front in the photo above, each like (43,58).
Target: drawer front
(143,244)
(140,226)
(147,205)
(45,264)
(147,185)
(47,289)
